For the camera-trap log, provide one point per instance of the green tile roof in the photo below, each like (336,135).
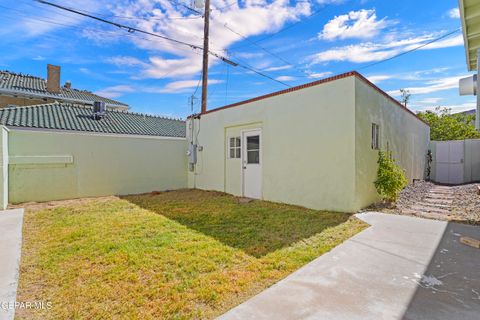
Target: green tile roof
(62,116)
(22,84)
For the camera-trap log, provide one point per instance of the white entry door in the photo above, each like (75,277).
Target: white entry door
(252,163)
(450,162)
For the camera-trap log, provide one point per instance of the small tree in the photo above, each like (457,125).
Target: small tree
(390,177)
(447,126)
(405,96)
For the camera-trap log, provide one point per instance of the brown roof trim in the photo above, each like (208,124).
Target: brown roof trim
(312,84)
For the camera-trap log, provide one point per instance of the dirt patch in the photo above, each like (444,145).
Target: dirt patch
(38,206)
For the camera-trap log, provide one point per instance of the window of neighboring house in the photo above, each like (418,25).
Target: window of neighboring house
(234,148)
(375,136)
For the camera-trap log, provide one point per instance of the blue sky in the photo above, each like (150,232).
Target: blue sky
(158,77)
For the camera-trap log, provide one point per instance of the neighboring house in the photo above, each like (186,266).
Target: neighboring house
(63,116)
(470,18)
(21,90)
(61,151)
(314,145)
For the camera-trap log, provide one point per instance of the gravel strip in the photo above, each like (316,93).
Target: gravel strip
(466,203)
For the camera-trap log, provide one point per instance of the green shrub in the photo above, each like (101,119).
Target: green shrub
(390,177)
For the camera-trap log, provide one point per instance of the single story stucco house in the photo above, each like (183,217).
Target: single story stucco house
(314,145)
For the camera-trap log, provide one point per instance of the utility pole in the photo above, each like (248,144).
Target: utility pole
(205,56)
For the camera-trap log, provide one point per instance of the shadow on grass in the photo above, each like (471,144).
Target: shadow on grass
(257,227)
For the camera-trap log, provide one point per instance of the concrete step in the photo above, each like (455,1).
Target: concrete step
(441,192)
(434,204)
(438,200)
(441,188)
(430,209)
(440,196)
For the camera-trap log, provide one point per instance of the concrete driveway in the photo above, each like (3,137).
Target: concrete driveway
(10,248)
(399,268)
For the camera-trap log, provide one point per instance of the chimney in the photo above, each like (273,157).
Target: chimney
(68,84)
(53,78)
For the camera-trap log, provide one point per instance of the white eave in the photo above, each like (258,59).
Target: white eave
(470,16)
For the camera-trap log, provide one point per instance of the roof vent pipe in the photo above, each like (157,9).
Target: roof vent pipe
(99,110)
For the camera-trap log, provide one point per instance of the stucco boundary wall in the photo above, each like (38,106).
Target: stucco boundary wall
(45,165)
(471,160)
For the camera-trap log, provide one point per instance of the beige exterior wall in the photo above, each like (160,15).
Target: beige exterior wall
(62,165)
(400,132)
(316,145)
(3,167)
(308,142)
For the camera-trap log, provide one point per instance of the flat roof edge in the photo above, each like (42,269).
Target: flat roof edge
(312,84)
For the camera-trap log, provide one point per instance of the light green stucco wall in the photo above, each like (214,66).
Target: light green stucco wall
(62,165)
(3,167)
(308,143)
(405,135)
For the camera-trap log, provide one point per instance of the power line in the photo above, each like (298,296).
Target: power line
(316,12)
(266,50)
(34,19)
(121,26)
(248,67)
(412,50)
(133,29)
(227,6)
(185,6)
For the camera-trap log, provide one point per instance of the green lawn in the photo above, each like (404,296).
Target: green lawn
(180,254)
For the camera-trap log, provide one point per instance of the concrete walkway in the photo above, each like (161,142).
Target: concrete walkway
(399,268)
(10,248)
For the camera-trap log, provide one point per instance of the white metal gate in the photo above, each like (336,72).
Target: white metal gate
(449,162)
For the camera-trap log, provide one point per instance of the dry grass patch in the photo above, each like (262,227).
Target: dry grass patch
(174,255)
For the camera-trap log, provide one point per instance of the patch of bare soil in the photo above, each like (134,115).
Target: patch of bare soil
(38,206)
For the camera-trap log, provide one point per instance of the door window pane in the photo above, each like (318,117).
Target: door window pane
(253,156)
(253,143)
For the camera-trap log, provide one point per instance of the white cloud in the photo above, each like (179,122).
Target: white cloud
(454,13)
(429,101)
(179,86)
(370,51)
(319,75)
(126,61)
(432,86)
(417,75)
(330,1)
(379,78)
(285,78)
(455,108)
(115,91)
(445,43)
(285,67)
(254,17)
(48,18)
(362,24)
